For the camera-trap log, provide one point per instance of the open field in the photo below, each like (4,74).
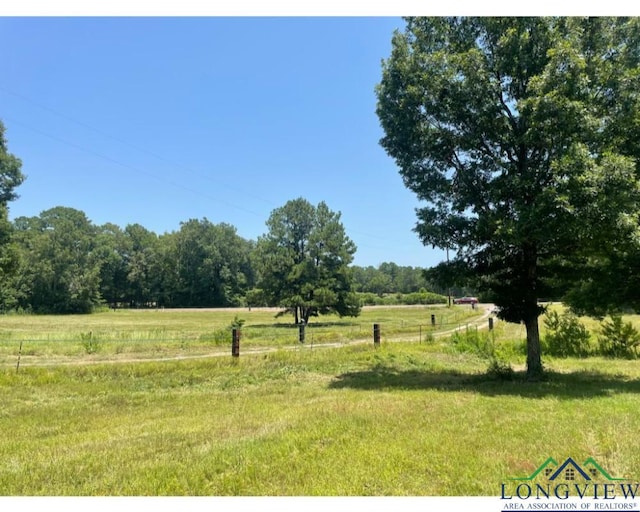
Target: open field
(406,418)
(156,334)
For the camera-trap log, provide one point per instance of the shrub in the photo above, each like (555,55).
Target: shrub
(89,344)
(618,339)
(223,336)
(217,337)
(414,298)
(472,341)
(566,336)
(500,370)
(237,323)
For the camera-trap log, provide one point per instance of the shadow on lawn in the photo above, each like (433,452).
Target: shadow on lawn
(576,385)
(310,325)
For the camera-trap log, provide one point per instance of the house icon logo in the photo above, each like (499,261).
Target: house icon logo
(553,480)
(570,471)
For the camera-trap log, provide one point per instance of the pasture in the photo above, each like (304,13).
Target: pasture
(414,416)
(154,334)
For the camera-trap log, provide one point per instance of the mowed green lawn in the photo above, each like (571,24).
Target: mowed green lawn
(405,418)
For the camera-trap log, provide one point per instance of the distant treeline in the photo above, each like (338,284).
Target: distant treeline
(66,264)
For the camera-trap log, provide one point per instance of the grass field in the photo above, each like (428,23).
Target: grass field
(418,417)
(153,334)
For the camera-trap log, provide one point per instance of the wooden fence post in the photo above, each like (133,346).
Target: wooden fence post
(376,334)
(19,355)
(235,342)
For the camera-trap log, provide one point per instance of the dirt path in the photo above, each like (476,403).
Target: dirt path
(481,323)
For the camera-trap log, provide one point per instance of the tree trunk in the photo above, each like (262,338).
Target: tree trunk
(307,315)
(531,313)
(534,359)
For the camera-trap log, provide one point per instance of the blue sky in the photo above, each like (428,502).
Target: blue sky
(159,120)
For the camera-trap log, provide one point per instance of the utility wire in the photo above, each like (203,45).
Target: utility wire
(129,167)
(154,155)
(130,145)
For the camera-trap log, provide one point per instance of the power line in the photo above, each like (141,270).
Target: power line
(158,157)
(127,166)
(132,146)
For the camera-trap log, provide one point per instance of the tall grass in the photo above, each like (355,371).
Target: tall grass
(163,333)
(405,418)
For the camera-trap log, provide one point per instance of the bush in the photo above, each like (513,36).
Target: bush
(566,336)
(500,370)
(217,337)
(237,323)
(472,341)
(223,336)
(88,342)
(618,339)
(414,298)
(482,345)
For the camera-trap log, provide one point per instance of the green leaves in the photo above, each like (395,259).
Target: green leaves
(60,267)
(521,137)
(212,265)
(11,175)
(302,261)
(618,339)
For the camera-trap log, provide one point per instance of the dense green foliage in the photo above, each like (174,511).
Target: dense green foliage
(521,137)
(566,336)
(63,263)
(10,178)
(392,299)
(618,338)
(59,269)
(389,278)
(69,265)
(303,262)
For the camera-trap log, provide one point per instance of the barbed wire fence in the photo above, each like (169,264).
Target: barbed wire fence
(49,349)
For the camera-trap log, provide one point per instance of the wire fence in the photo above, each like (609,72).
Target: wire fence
(53,348)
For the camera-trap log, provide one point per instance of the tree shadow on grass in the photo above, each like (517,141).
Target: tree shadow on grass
(310,325)
(575,385)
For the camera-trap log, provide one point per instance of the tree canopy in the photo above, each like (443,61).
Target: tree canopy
(60,271)
(11,177)
(302,262)
(520,135)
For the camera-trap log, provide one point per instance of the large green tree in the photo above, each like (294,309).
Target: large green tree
(60,266)
(10,178)
(520,135)
(206,264)
(143,266)
(303,261)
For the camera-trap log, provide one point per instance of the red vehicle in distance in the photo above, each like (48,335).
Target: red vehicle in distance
(466,300)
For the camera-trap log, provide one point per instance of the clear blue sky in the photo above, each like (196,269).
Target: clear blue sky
(159,120)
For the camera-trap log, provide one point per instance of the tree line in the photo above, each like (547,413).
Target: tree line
(61,262)
(66,264)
